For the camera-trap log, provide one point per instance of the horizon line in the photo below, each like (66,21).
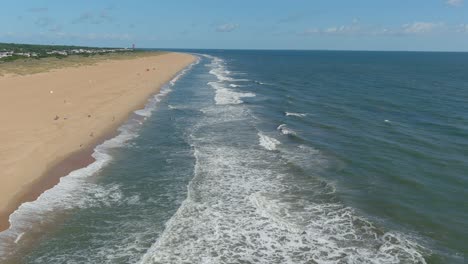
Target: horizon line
(248,49)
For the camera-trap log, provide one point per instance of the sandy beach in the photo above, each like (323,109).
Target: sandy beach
(51,121)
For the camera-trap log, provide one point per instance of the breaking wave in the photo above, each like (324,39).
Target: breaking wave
(285,130)
(267,142)
(245,206)
(295,114)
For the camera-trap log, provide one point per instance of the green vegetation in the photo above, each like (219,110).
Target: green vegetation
(37,48)
(44,58)
(11,51)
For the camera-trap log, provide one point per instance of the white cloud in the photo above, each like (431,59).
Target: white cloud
(356,29)
(462,28)
(352,29)
(455,3)
(227,27)
(421,27)
(342,30)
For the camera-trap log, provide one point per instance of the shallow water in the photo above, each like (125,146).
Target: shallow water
(273,157)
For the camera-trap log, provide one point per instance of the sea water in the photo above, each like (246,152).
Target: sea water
(272,157)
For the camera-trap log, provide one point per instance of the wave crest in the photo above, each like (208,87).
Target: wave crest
(267,142)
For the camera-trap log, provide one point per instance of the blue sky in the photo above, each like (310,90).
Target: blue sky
(437,25)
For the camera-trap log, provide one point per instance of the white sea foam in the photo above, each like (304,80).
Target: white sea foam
(306,157)
(243,206)
(224,95)
(223,75)
(295,114)
(267,142)
(154,101)
(77,189)
(18,238)
(219,70)
(237,211)
(285,130)
(262,83)
(227,96)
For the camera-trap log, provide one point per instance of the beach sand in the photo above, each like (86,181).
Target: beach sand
(51,121)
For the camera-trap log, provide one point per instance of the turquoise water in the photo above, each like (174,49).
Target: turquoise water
(272,157)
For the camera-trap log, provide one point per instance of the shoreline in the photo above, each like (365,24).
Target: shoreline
(74,159)
(59,168)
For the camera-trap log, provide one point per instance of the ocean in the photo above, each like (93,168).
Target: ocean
(272,157)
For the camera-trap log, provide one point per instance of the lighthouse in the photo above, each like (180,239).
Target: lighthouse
(133,46)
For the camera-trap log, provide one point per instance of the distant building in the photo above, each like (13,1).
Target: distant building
(59,52)
(25,54)
(4,54)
